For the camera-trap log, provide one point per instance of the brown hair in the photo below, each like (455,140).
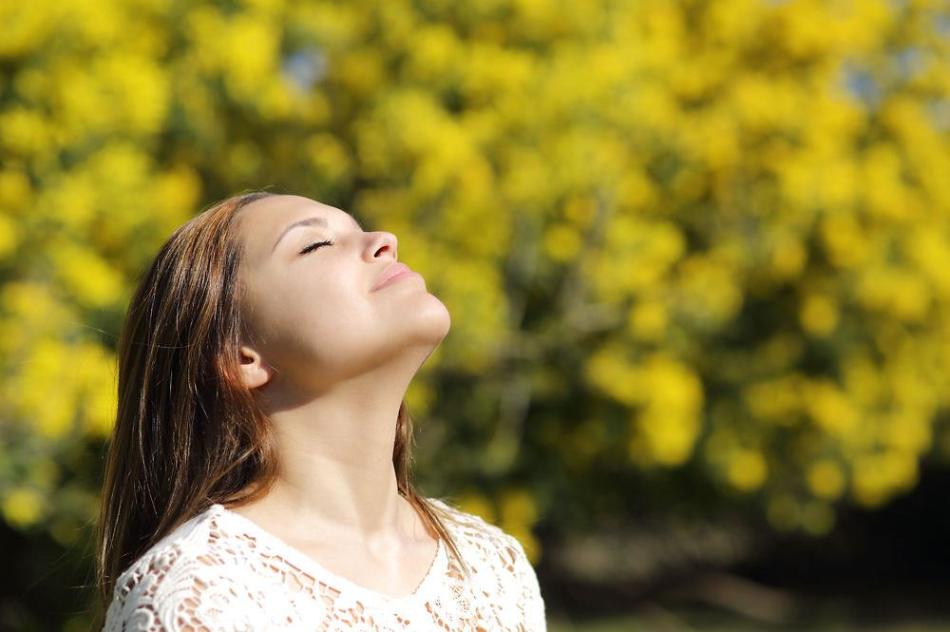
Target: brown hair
(188,433)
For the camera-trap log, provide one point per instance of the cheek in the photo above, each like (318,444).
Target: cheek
(325,318)
(322,320)
(327,338)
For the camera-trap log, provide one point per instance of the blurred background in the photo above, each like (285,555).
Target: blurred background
(697,256)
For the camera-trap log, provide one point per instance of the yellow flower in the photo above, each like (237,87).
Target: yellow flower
(360,70)
(819,314)
(877,476)
(608,369)
(662,438)
(776,400)
(88,278)
(808,28)
(25,26)
(647,320)
(15,189)
(328,157)
(788,257)
(862,379)
(764,102)
(847,244)
(667,425)
(825,479)
(747,470)
(710,293)
(22,507)
(518,507)
(735,22)
(931,252)
(9,235)
(908,430)
(561,242)
(829,407)
(46,370)
(434,51)
(95,371)
(25,131)
(884,193)
(636,193)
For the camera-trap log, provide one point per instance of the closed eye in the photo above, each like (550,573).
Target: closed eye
(316,245)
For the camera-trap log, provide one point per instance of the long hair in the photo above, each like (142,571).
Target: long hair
(188,433)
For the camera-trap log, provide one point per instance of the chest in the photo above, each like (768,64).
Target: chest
(396,574)
(344,590)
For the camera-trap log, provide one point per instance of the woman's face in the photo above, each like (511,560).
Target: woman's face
(312,309)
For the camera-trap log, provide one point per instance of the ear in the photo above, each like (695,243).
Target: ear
(254,371)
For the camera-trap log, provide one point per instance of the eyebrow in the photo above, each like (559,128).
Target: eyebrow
(308,222)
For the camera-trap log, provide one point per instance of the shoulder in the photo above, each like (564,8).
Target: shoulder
(485,537)
(184,582)
(465,523)
(502,567)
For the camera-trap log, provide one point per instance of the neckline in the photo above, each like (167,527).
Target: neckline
(313,568)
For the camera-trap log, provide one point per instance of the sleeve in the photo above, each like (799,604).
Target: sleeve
(177,597)
(532,603)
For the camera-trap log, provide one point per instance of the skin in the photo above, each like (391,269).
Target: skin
(330,361)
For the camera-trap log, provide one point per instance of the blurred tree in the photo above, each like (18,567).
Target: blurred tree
(689,246)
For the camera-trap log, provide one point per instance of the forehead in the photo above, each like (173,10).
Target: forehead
(275,210)
(262,221)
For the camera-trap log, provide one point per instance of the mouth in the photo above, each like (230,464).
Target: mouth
(391,273)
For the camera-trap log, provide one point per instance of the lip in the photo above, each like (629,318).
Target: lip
(391,273)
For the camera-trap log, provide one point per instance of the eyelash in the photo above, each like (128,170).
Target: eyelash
(315,245)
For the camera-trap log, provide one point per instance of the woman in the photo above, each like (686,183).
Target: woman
(259,472)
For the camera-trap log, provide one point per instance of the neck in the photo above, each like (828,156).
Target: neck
(336,460)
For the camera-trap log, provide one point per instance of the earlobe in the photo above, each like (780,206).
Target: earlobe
(254,372)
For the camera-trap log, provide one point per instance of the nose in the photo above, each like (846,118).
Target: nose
(385,241)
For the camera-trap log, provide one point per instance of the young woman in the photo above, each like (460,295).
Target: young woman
(258,477)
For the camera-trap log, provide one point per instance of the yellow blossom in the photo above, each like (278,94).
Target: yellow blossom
(22,507)
(819,314)
(747,470)
(825,479)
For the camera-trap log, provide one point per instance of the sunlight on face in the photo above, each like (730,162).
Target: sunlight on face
(310,270)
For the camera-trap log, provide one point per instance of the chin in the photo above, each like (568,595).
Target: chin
(433,320)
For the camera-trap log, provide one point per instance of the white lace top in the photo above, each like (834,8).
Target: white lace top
(221,571)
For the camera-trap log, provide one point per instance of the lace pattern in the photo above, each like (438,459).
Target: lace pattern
(219,571)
